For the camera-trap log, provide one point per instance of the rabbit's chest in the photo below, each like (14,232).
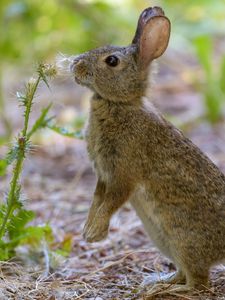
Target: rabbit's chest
(102,151)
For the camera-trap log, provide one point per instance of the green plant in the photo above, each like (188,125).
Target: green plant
(14,218)
(213,85)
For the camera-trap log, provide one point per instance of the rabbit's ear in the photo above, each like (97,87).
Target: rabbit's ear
(152,34)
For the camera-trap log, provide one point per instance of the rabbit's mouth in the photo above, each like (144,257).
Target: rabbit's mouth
(85,81)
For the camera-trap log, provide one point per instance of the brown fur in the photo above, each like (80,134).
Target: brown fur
(139,156)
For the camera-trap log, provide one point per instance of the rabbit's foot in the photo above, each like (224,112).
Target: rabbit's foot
(88,223)
(180,288)
(189,287)
(174,289)
(97,230)
(171,278)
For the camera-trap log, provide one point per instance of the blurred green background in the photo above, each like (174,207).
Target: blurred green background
(35,30)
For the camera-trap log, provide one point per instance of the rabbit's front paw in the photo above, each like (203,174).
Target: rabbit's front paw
(87,225)
(96,231)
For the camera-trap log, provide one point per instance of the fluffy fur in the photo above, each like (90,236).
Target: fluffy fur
(139,156)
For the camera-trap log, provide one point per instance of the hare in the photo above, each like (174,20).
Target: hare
(176,190)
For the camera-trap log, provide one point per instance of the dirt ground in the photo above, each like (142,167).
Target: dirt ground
(59,182)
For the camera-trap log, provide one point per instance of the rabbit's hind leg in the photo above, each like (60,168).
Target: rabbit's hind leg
(194,284)
(197,280)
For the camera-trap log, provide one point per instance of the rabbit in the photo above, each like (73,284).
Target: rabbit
(139,156)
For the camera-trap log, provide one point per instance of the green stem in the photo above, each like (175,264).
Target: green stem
(30,97)
(22,142)
(13,184)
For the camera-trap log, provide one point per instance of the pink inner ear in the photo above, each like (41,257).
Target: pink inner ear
(154,39)
(145,16)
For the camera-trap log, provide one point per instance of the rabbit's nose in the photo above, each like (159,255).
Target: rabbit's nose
(79,65)
(76,61)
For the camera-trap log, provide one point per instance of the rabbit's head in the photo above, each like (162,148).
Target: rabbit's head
(120,73)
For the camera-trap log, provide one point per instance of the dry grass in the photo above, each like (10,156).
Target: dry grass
(60,186)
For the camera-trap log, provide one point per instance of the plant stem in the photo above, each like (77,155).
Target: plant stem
(13,184)
(22,141)
(30,96)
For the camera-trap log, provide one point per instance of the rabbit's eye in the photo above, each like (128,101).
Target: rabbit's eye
(112,60)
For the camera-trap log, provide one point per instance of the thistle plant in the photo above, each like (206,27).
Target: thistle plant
(13,216)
